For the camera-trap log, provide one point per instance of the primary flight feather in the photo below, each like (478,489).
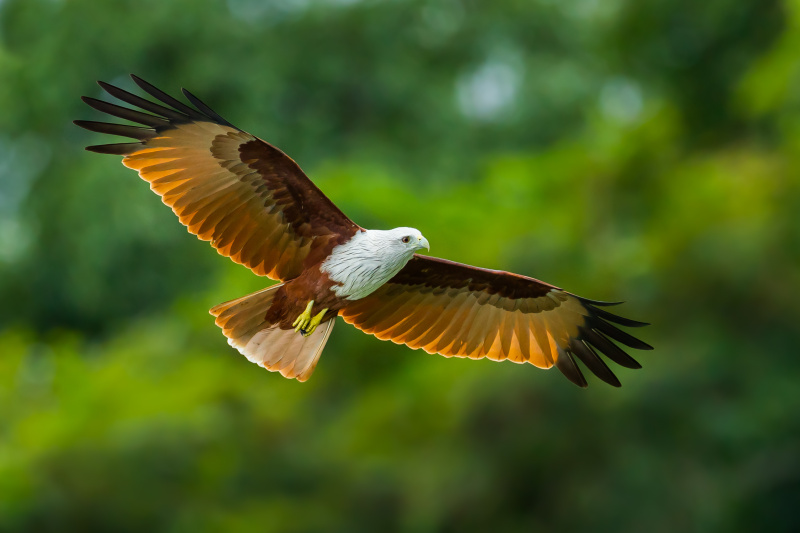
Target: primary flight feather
(256,206)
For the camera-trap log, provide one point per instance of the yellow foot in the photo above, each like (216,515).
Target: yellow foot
(304,319)
(308,330)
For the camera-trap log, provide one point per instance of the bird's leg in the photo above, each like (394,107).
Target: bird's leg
(304,319)
(314,323)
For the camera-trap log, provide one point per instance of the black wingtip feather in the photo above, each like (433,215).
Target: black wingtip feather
(199,104)
(158,94)
(567,366)
(611,317)
(134,132)
(596,302)
(593,362)
(115,149)
(595,338)
(619,335)
(162,117)
(607,348)
(125,113)
(147,105)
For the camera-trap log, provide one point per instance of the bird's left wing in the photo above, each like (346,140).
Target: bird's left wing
(463,311)
(252,201)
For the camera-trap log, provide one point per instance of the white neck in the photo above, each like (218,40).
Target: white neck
(365,262)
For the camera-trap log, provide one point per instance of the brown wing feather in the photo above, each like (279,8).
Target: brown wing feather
(248,198)
(463,311)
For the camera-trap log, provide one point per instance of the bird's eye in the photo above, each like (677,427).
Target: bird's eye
(406,239)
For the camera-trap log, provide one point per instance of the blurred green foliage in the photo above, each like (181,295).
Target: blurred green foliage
(645,151)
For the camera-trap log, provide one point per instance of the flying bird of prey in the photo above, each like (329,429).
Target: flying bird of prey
(256,206)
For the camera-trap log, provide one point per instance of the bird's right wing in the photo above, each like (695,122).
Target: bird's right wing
(248,198)
(464,311)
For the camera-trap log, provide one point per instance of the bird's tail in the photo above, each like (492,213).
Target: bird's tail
(243,322)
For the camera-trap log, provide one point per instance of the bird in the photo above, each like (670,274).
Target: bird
(255,205)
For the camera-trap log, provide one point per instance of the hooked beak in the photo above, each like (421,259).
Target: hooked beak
(423,243)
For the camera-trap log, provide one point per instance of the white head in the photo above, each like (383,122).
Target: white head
(400,241)
(370,259)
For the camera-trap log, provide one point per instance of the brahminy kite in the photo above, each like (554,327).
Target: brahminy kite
(256,206)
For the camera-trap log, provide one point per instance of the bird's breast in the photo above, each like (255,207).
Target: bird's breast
(359,270)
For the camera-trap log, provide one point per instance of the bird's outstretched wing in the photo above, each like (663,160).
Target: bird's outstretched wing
(248,198)
(463,311)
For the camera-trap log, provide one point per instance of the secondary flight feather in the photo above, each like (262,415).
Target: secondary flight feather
(255,205)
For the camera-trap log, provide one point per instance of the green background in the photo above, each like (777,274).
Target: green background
(646,151)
